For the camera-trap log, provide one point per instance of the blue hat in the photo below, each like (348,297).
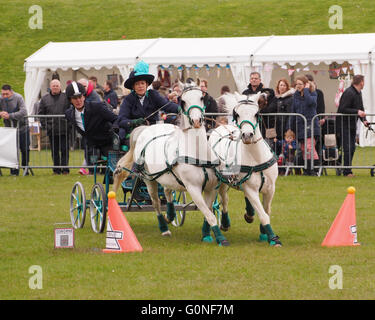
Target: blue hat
(140,73)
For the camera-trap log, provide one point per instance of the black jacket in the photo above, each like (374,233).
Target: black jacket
(53,105)
(111,98)
(321,106)
(280,104)
(350,102)
(211,107)
(269,91)
(131,109)
(98,121)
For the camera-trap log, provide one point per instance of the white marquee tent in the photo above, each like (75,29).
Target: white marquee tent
(242,54)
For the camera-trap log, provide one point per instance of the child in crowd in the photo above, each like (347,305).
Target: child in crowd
(288,148)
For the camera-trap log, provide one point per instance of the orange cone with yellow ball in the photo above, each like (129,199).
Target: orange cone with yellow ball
(120,236)
(343,231)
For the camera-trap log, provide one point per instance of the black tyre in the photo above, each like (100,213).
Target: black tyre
(78,205)
(98,208)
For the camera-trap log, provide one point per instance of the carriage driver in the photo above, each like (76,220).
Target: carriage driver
(93,120)
(141,105)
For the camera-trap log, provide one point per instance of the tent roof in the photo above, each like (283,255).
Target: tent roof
(88,54)
(302,49)
(353,48)
(200,51)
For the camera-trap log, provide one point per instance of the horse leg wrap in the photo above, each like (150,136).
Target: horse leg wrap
(171,211)
(162,223)
(273,239)
(249,208)
(263,233)
(225,221)
(220,239)
(250,212)
(206,232)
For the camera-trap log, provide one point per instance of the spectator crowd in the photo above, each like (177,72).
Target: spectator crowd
(91,109)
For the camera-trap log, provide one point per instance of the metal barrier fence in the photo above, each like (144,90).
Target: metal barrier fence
(55,144)
(338,144)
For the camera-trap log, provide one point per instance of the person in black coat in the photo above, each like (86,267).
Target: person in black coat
(141,105)
(109,95)
(320,108)
(256,85)
(351,103)
(282,103)
(56,103)
(210,104)
(93,120)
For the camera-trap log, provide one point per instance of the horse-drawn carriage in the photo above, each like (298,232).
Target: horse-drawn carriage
(172,160)
(136,197)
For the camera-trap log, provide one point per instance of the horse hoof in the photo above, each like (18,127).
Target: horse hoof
(275,242)
(208,239)
(166,233)
(225,229)
(263,237)
(224,243)
(248,218)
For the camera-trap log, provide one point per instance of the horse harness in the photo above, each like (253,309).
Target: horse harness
(249,170)
(139,165)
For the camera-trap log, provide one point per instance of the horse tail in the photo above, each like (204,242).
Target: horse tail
(127,160)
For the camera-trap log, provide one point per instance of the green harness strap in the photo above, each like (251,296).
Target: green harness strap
(248,170)
(188,160)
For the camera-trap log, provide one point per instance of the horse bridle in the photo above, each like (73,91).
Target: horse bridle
(235,116)
(187,112)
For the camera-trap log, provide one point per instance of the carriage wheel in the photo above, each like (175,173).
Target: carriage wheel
(98,208)
(78,205)
(179,198)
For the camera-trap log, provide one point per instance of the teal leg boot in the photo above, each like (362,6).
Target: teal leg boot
(273,239)
(206,232)
(250,212)
(220,239)
(163,227)
(263,234)
(225,221)
(171,212)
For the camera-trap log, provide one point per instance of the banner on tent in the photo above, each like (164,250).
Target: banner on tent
(8,148)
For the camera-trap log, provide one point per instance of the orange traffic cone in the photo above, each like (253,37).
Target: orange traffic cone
(120,236)
(343,231)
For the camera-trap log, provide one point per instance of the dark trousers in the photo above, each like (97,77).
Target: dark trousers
(60,152)
(348,148)
(94,153)
(24,145)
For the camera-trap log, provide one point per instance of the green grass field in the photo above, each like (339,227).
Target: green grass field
(111,20)
(180,267)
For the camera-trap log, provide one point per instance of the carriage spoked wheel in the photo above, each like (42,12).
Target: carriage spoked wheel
(179,198)
(98,208)
(78,205)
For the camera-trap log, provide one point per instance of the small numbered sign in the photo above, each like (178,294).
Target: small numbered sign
(64,238)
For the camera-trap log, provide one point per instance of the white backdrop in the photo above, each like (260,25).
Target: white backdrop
(8,148)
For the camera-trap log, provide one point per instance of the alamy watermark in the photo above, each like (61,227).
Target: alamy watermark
(36,280)
(336,20)
(36,20)
(336,281)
